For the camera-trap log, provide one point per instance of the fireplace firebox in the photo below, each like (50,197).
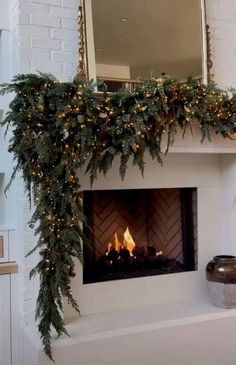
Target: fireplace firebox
(139,232)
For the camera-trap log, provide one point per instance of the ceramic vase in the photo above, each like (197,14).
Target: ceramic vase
(221,279)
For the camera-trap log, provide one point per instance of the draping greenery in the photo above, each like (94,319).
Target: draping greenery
(59,127)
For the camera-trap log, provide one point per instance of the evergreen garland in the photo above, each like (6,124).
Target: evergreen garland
(59,127)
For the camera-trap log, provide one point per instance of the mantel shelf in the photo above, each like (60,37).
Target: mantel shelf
(191,143)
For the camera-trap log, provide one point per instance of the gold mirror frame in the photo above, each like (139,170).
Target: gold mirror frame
(206,36)
(83,69)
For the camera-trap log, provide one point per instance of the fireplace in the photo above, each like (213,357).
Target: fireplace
(139,232)
(180,170)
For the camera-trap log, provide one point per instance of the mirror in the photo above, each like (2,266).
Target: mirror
(129,40)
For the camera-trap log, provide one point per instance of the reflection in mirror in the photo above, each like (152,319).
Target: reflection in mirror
(132,39)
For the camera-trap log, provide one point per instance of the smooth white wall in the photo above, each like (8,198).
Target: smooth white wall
(221,17)
(228,204)
(115,71)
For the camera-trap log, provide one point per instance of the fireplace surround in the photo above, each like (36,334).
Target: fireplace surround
(180,170)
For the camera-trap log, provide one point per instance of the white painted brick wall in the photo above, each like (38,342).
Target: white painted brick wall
(44,26)
(43,37)
(221,17)
(69,24)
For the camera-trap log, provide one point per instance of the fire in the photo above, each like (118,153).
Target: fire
(129,243)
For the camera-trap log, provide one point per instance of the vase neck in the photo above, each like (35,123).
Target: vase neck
(225,258)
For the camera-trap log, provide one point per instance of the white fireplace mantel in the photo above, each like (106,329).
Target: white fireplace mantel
(191,143)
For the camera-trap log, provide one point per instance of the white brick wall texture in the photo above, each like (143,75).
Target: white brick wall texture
(44,27)
(44,37)
(221,17)
(48,43)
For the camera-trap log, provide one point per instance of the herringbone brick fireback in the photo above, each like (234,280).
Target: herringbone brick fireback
(152,215)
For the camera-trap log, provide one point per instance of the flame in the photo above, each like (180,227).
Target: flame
(128,241)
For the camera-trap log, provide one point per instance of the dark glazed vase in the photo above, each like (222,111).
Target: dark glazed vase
(221,279)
